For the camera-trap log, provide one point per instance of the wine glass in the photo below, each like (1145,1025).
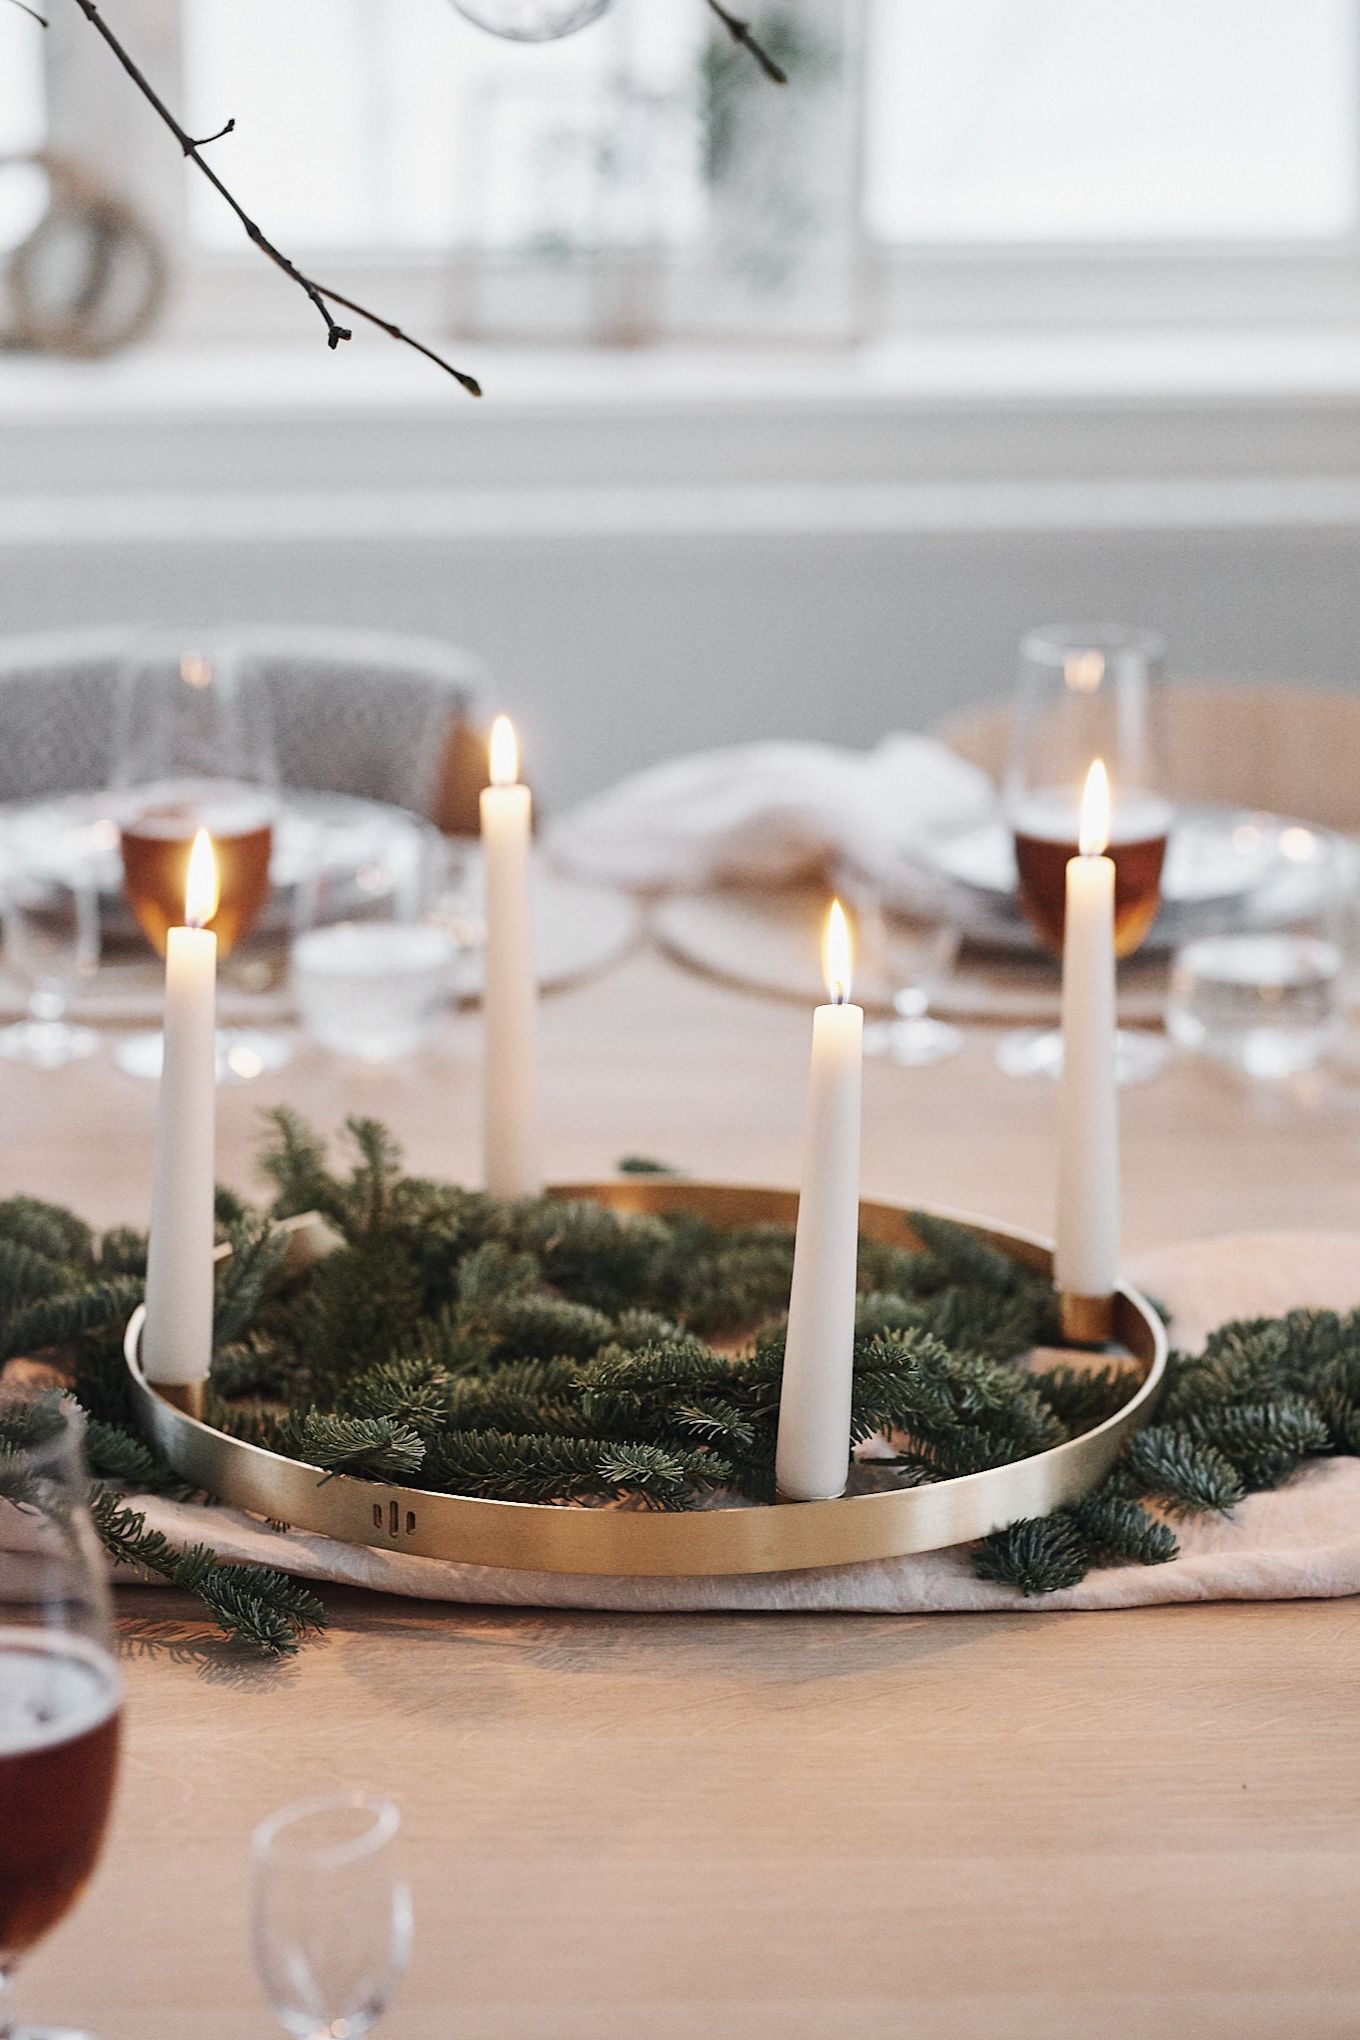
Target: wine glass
(908,941)
(331,1913)
(60,1693)
(1087,692)
(49,896)
(194,749)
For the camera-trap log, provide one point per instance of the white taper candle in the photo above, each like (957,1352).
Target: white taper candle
(510,1122)
(1086,1263)
(812,1455)
(177,1340)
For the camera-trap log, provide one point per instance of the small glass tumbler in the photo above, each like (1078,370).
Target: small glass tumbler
(374,990)
(51,922)
(1271,1002)
(331,1914)
(376,965)
(909,943)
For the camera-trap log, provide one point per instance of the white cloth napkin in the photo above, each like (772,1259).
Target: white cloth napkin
(768,813)
(1302,1541)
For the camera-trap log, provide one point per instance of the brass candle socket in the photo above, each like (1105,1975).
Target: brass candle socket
(1086,1320)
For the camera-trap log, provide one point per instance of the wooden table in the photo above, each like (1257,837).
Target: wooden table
(787,1827)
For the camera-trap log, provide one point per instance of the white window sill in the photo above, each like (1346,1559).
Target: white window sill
(1033,432)
(372,374)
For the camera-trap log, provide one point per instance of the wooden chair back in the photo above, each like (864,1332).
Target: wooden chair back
(1292,751)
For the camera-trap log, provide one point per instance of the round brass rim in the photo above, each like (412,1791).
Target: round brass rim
(782,1537)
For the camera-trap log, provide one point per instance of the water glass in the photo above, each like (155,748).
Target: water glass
(50,902)
(376,958)
(374,990)
(908,943)
(1270,1001)
(331,1914)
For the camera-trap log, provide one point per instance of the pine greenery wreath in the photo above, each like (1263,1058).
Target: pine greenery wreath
(560,1352)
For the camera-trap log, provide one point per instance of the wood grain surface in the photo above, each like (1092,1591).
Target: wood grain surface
(1046,1828)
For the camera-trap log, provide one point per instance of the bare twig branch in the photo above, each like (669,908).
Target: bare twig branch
(204,140)
(32,12)
(317,292)
(740,32)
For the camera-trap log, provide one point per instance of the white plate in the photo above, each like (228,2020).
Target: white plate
(1225,868)
(1212,854)
(363,848)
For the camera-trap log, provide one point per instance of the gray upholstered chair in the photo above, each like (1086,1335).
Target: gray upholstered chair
(359,712)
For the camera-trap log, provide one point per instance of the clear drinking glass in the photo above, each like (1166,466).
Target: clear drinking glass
(908,944)
(194,749)
(60,1693)
(1271,1001)
(374,972)
(50,899)
(331,1914)
(1086,692)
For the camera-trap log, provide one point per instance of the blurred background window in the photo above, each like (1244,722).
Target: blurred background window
(1017,121)
(641,179)
(403,126)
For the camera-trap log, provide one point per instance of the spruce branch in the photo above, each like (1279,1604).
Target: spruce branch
(1188,1478)
(53,1322)
(47,1229)
(247,1276)
(1119,1531)
(966,1258)
(380,1447)
(1038,1555)
(118,1455)
(1085,1396)
(30,1420)
(253,1604)
(1264,1441)
(294,1160)
(122,1251)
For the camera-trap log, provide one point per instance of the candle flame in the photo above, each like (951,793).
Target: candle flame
(836,955)
(201,890)
(1093,833)
(504,752)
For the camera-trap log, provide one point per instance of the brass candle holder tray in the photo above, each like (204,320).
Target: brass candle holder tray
(577,1539)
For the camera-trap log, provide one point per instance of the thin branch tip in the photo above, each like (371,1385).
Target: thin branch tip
(203,141)
(741,33)
(308,285)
